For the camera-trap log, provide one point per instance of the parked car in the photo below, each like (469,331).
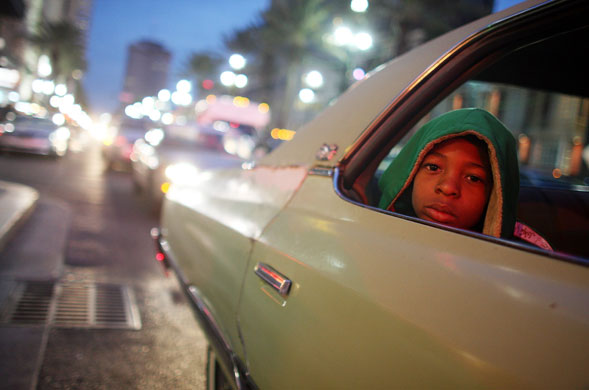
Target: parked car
(174,152)
(34,135)
(299,280)
(118,145)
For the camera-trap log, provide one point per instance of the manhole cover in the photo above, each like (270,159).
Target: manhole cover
(73,305)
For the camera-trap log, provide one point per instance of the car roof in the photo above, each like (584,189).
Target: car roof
(364,101)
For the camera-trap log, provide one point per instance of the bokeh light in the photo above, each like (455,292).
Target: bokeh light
(306,95)
(237,61)
(358,74)
(359,5)
(314,79)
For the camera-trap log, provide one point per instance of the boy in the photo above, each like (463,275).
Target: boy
(459,170)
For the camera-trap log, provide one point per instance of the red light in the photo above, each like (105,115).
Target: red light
(159,256)
(208,84)
(234,125)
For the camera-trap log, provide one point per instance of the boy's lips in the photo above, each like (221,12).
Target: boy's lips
(439,212)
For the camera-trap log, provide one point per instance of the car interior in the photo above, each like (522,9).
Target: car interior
(534,79)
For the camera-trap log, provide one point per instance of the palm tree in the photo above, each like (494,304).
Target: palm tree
(62,42)
(203,65)
(286,34)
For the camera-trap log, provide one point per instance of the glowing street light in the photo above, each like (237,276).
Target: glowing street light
(306,95)
(164,95)
(227,78)
(60,89)
(359,5)
(343,36)
(240,81)
(314,79)
(237,61)
(363,41)
(183,86)
(44,68)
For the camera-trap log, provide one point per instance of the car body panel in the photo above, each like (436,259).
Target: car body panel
(424,307)
(221,214)
(34,135)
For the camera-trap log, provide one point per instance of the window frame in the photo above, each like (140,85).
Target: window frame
(477,52)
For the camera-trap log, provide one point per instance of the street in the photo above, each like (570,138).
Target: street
(90,230)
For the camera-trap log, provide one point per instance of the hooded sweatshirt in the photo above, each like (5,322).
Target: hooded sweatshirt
(500,215)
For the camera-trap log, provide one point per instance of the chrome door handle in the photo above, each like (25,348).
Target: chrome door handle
(279,282)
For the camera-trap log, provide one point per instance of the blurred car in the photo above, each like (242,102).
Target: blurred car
(174,153)
(300,281)
(118,145)
(34,135)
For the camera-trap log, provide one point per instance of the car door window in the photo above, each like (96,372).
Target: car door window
(539,92)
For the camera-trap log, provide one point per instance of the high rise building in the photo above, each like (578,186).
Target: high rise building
(147,71)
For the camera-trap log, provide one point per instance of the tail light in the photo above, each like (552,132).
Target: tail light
(160,253)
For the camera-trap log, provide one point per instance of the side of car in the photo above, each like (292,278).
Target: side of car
(300,281)
(29,134)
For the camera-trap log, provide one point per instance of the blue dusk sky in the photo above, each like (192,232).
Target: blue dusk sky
(182,26)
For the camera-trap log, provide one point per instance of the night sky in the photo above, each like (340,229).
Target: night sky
(182,26)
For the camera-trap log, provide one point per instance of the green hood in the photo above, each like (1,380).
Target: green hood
(501,209)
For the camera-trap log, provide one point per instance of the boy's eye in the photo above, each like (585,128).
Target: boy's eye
(474,179)
(431,167)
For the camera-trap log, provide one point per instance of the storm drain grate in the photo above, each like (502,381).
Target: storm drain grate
(33,305)
(74,305)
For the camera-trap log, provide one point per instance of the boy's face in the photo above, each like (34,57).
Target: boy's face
(453,183)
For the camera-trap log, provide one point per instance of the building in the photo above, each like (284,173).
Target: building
(148,64)
(19,57)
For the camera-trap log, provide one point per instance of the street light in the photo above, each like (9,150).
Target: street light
(182,97)
(164,95)
(44,68)
(237,61)
(343,36)
(60,89)
(307,95)
(363,41)
(183,86)
(227,78)
(359,5)
(314,79)
(240,81)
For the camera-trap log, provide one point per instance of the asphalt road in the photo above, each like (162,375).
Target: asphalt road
(107,242)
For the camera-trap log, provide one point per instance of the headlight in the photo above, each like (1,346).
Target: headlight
(60,135)
(182,173)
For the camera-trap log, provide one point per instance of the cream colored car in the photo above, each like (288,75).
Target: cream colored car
(300,281)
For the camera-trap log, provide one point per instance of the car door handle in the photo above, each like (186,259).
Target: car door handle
(279,282)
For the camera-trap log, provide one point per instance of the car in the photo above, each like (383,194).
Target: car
(118,144)
(174,152)
(30,134)
(299,280)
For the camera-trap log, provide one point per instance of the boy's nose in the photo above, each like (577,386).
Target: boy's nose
(448,185)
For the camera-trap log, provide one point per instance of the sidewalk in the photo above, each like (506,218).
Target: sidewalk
(33,233)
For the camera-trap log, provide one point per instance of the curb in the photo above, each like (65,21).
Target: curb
(17,202)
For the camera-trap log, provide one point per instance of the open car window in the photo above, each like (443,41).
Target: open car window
(538,89)
(550,130)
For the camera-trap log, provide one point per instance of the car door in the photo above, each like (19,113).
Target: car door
(341,294)
(209,221)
